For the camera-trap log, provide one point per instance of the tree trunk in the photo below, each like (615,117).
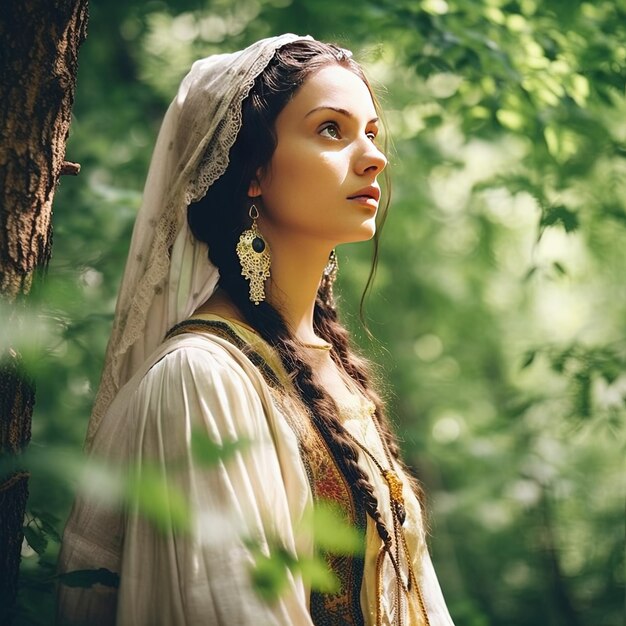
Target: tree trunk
(38,63)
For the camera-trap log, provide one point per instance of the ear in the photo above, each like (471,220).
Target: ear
(254,189)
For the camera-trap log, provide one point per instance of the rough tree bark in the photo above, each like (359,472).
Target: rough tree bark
(38,64)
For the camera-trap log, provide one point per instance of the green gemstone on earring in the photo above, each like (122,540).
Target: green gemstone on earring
(258,245)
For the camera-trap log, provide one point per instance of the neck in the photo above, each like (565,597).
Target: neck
(297,268)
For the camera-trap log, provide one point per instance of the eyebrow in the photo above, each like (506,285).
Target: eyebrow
(338,110)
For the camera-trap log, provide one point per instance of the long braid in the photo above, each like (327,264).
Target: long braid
(271,326)
(358,369)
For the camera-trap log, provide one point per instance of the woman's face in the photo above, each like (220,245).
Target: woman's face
(321,181)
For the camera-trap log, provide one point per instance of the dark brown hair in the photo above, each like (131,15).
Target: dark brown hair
(219,219)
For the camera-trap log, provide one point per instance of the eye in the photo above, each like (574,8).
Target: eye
(372,134)
(333,130)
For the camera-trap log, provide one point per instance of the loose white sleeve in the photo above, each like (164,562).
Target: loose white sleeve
(259,493)
(169,578)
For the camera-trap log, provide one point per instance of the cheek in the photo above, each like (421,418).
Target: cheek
(300,161)
(300,174)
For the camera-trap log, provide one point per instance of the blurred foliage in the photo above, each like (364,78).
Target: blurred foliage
(331,533)
(499,302)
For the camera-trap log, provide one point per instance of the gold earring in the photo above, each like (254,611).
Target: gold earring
(328,279)
(254,258)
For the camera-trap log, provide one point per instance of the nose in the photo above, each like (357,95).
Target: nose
(371,159)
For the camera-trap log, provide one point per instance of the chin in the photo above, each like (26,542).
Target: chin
(369,235)
(368,229)
(364,233)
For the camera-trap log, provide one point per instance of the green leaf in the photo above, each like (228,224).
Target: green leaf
(529,359)
(89,577)
(611,369)
(582,382)
(47,522)
(560,215)
(269,575)
(206,452)
(558,362)
(331,531)
(530,273)
(158,500)
(316,572)
(36,539)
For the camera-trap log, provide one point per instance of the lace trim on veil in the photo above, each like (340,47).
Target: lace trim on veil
(207,162)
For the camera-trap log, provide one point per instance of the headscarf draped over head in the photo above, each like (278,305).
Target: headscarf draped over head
(168,274)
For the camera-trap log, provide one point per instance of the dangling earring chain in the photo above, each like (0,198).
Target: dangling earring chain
(254,258)
(328,279)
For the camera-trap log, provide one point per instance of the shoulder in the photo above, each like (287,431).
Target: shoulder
(201,381)
(196,356)
(240,341)
(194,364)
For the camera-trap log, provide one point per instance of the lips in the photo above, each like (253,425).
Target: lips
(367,192)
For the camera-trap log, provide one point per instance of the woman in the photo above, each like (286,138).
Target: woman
(268,157)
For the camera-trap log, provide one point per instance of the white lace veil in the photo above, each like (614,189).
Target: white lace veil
(167,273)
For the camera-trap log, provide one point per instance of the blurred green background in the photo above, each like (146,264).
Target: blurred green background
(499,304)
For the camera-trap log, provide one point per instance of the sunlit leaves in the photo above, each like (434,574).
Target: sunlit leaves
(562,216)
(269,574)
(157,499)
(149,489)
(584,367)
(331,533)
(528,359)
(316,573)
(206,452)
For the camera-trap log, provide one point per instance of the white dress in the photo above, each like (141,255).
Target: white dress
(261,492)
